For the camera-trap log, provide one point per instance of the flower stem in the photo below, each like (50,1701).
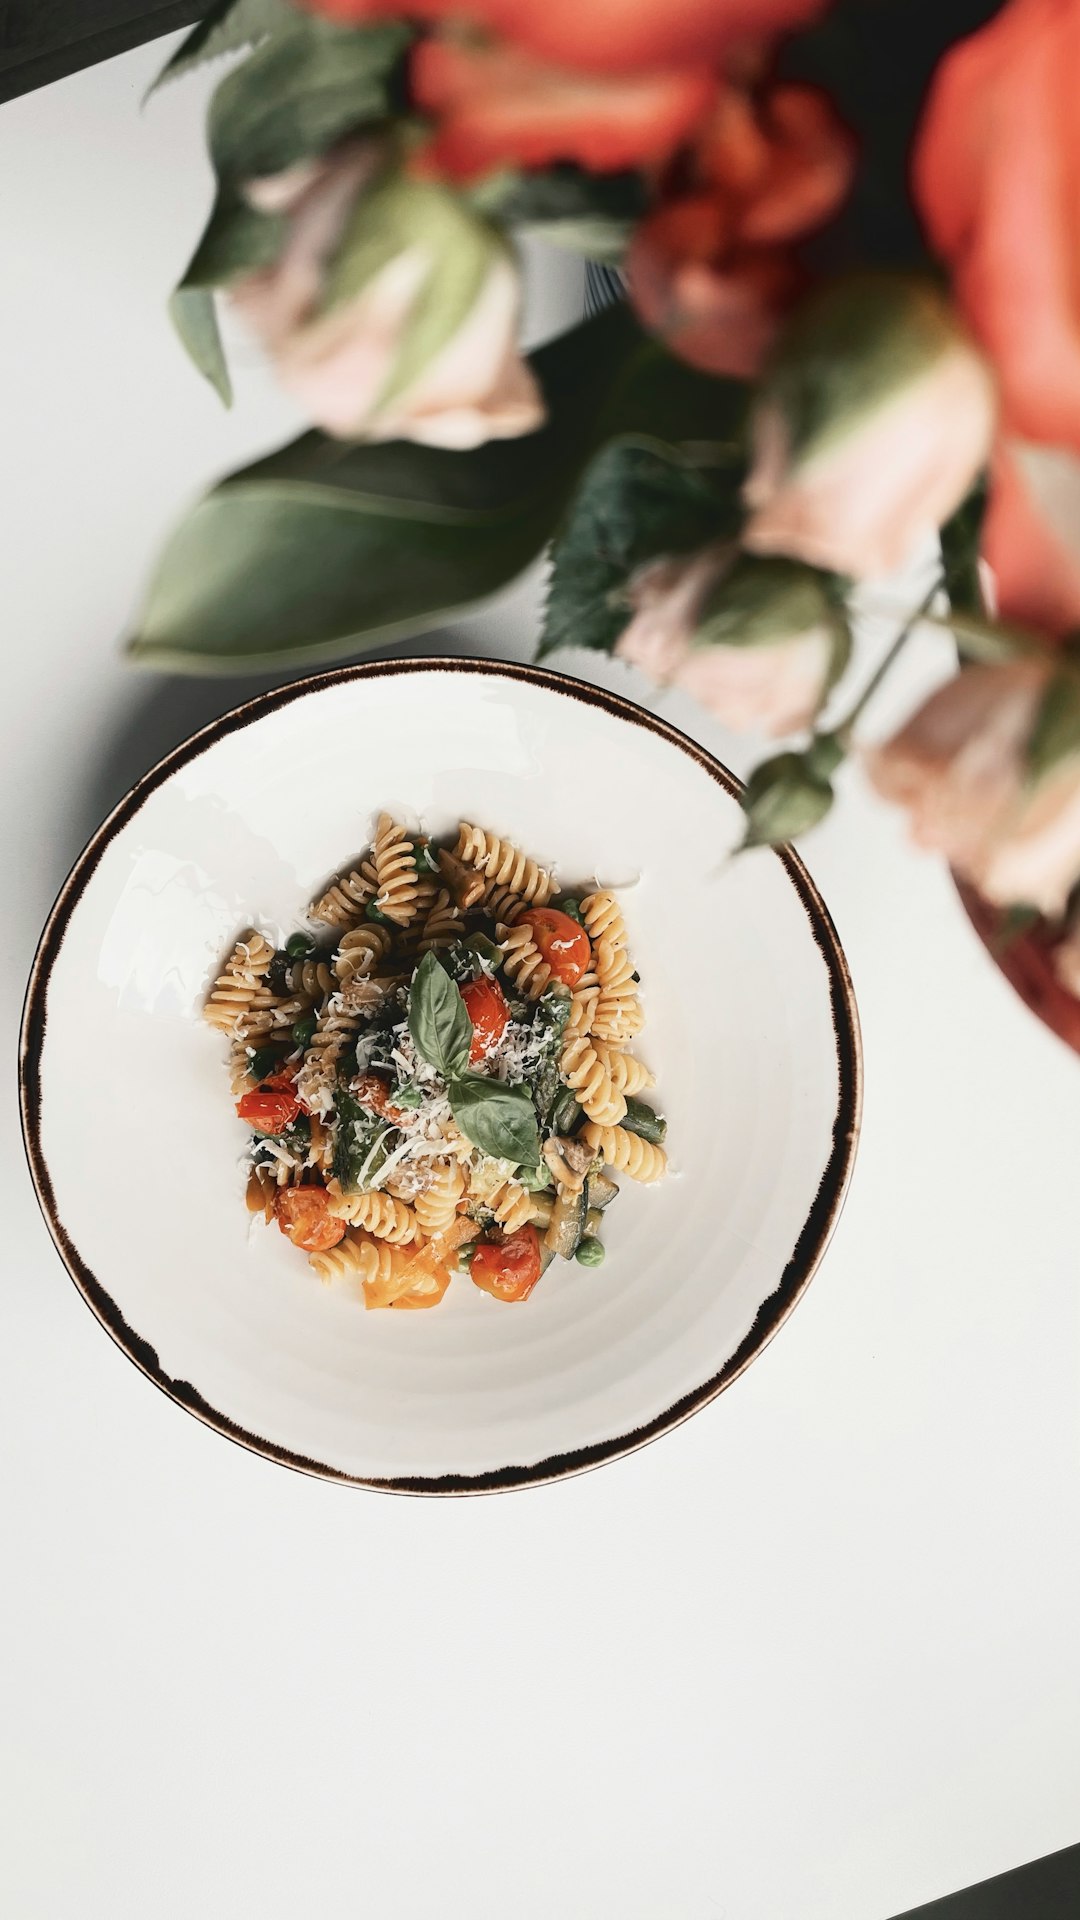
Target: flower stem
(842,734)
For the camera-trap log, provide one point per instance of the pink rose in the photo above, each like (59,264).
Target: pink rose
(989,770)
(392,311)
(753,641)
(858,482)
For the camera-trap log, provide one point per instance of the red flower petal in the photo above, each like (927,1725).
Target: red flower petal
(604,36)
(495,106)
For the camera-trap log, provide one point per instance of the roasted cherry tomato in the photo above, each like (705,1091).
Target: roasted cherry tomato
(562,943)
(269,1109)
(509,1268)
(303,1213)
(372,1091)
(489,1013)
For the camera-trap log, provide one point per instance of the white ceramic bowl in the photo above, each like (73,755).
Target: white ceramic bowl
(751,1030)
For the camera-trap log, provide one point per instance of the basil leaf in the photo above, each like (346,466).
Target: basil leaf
(498,1119)
(439,1024)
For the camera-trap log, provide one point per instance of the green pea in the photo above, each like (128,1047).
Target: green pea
(303,1030)
(264,1062)
(590,1252)
(299,946)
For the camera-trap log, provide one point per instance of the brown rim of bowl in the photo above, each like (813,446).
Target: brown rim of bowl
(812,1240)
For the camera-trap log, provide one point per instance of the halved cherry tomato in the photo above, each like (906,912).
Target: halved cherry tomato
(562,943)
(303,1213)
(269,1110)
(372,1091)
(489,1013)
(508,1269)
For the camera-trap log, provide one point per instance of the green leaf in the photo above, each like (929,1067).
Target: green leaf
(635,503)
(438,1020)
(1056,734)
(498,1119)
(589,213)
(961,538)
(784,797)
(328,545)
(301,91)
(195,318)
(359,1141)
(237,239)
(227,28)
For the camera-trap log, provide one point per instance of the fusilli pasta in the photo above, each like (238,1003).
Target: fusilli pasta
(237,985)
(626,1152)
(395,869)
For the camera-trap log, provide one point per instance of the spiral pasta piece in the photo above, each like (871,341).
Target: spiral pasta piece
(346,898)
(395,869)
(235,989)
(240,1079)
(378,1213)
(502,904)
(504,863)
(583,1007)
(589,1075)
(436,1207)
(512,1206)
(442,923)
(359,1257)
(261,1192)
(626,1152)
(618,1016)
(360,951)
(628,1076)
(310,979)
(335,1030)
(523,962)
(603,919)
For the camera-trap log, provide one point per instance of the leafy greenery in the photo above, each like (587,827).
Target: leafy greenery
(635,503)
(1056,734)
(328,545)
(783,797)
(438,1019)
(498,1119)
(589,213)
(228,28)
(301,91)
(194,316)
(361,1139)
(961,537)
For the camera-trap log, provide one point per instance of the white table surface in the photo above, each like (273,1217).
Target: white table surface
(811,1657)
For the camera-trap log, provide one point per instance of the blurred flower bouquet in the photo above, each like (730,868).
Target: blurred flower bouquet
(717,461)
